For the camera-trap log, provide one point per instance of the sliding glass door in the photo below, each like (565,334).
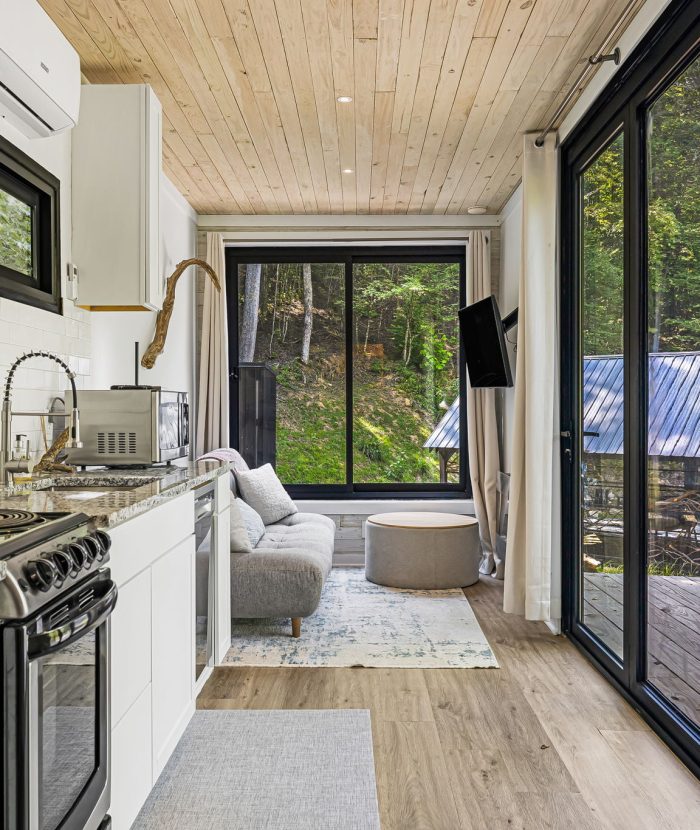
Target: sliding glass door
(631,381)
(600,414)
(348,367)
(673,409)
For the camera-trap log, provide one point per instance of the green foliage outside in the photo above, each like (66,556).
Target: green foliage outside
(674,229)
(405,364)
(673,263)
(15,234)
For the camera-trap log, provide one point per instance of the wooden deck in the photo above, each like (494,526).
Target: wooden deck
(673,632)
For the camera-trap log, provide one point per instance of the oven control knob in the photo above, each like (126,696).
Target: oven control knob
(92,548)
(62,561)
(77,553)
(104,540)
(41,574)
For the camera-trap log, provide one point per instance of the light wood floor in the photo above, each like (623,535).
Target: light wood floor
(542,742)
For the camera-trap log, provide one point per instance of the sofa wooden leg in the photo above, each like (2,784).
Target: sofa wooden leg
(296,626)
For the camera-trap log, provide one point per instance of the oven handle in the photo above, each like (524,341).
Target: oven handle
(85,621)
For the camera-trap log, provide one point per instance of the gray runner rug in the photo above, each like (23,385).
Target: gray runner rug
(268,770)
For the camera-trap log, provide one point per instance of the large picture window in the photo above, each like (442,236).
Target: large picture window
(354,359)
(29,231)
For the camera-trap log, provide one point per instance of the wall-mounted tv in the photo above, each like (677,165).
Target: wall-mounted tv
(483,336)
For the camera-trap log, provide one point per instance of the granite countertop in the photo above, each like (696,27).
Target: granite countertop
(109,496)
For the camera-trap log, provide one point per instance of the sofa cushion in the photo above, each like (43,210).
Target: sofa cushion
(309,518)
(265,493)
(254,525)
(279,583)
(285,573)
(241,539)
(312,534)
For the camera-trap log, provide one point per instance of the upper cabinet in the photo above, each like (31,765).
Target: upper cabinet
(117,164)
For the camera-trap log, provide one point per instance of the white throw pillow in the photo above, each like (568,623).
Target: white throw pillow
(255,528)
(240,538)
(264,492)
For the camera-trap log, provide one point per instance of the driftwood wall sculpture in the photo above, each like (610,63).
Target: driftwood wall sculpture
(163,319)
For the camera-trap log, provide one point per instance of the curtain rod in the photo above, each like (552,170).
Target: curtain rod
(591,64)
(355,240)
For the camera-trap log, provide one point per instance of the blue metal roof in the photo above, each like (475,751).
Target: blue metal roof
(674,404)
(445,436)
(674,411)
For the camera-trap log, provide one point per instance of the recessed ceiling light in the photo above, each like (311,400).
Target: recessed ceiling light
(348,170)
(344,99)
(476,210)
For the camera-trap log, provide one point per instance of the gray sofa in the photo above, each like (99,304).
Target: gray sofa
(286,572)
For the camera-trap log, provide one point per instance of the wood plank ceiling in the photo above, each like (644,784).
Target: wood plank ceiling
(441,91)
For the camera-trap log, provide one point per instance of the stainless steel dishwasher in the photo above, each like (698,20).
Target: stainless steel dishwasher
(204,497)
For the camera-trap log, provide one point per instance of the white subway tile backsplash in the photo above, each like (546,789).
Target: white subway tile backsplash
(23,328)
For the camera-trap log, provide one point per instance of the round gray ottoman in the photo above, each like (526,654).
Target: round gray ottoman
(422,550)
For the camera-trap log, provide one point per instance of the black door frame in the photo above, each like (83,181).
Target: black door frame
(348,255)
(670,46)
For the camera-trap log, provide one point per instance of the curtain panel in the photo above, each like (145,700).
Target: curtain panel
(482,428)
(212,397)
(532,574)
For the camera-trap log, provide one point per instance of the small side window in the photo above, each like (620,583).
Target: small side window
(29,231)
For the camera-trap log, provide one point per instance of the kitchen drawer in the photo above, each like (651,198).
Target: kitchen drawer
(131,644)
(131,762)
(138,543)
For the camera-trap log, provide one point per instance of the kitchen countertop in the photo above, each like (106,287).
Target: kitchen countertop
(109,496)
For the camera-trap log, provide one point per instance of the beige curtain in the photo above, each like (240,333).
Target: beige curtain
(532,579)
(482,431)
(212,398)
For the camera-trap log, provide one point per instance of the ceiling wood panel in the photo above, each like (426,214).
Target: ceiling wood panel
(442,92)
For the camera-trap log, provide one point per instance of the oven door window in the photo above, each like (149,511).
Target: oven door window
(68,708)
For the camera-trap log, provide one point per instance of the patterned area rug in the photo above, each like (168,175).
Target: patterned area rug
(359,623)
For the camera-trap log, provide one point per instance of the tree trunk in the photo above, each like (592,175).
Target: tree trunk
(308,313)
(251,303)
(274,309)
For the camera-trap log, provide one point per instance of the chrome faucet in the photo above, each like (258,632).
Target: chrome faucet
(6,421)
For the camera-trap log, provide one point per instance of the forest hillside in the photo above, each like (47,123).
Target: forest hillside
(405,351)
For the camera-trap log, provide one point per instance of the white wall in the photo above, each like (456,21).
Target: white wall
(115,332)
(23,327)
(511,244)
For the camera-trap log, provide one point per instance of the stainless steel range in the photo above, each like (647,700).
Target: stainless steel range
(56,597)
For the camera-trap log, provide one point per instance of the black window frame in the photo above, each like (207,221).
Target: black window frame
(348,255)
(24,178)
(671,45)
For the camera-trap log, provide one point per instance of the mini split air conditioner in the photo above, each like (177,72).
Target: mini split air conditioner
(39,71)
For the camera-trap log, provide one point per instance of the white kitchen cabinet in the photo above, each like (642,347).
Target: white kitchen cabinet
(172,649)
(131,643)
(116,163)
(131,756)
(152,646)
(152,561)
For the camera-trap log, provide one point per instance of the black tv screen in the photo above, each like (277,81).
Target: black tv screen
(483,336)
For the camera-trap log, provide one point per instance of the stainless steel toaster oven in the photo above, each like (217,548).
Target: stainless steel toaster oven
(130,426)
